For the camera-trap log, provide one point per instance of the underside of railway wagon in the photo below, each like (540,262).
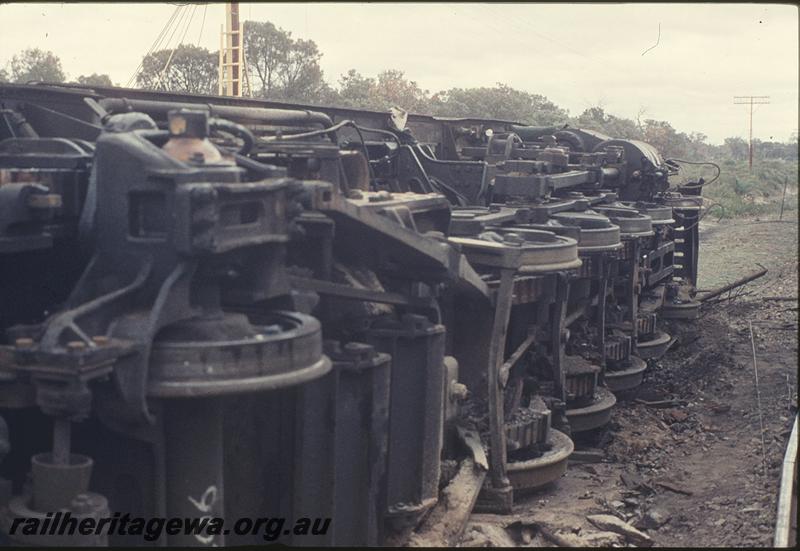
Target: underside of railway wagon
(225,307)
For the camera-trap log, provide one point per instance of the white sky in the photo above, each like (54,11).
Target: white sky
(576,55)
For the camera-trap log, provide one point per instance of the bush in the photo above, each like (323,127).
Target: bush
(738,192)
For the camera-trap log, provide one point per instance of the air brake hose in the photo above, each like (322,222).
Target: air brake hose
(234,129)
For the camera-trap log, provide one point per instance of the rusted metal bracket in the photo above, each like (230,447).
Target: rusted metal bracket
(497,452)
(509,364)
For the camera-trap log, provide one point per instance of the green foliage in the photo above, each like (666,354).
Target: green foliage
(187,69)
(738,192)
(389,89)
(595,118)
(95,80)
(33,64)
(266,48)
(280,67)
(394,90)
(283,68)
(499,102)
(356,90)
(743,186)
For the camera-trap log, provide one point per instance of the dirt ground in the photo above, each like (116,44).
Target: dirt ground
(697,473)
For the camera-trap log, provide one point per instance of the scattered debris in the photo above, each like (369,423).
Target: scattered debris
(487,535)
(588,468)
(655,518)
(660,403)
(604,539)
(446,522)
(719,408)
(671,486)
(587,456)
(473,442)
(562,540)
(613,524)
(710,463)
(676,415)
(635,482)
(739,282)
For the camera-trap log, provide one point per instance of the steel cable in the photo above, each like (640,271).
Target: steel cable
(175,49)
(155,44)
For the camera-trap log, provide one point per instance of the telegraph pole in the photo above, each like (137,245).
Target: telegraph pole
(751,101)
(231,53)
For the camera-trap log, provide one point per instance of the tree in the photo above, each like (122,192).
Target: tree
(662,136)
(595,118)
(4,75)
(395,90)
(282,67)
(95,80)
(390,89)
(189,69)
(33,64)
(738,148)
(498,102)
(300,76)
(266,48)
(639,116)
(355,90)
(698,148)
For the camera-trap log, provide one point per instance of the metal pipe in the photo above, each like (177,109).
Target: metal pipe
(258,115)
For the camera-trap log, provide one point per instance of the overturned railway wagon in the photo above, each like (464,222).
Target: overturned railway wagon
(223,307)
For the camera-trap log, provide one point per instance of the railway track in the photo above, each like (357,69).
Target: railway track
(786,520)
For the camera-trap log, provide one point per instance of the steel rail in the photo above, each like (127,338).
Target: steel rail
(786,523)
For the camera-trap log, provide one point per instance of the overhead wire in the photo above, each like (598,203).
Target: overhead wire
(180,42)
(202,25)
(154,45)
(188,24)
(175,28)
